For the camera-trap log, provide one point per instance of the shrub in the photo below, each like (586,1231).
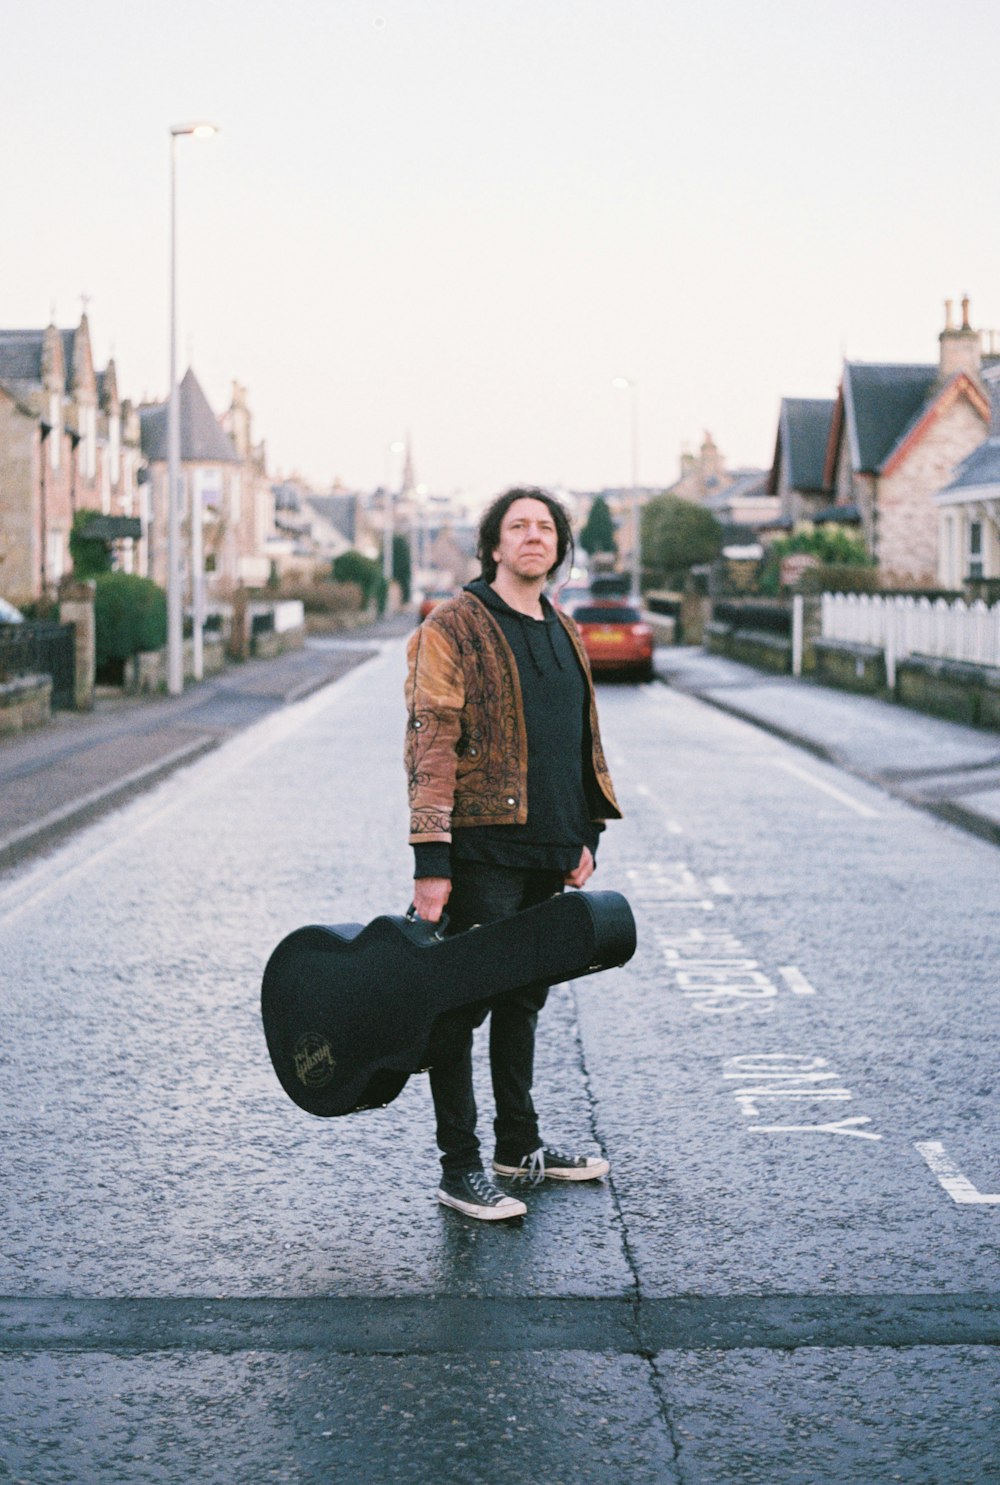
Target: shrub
(676,536)
(833,546)
(130,614)
(90,558)
(353,567)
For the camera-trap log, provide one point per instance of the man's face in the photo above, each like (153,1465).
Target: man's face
(528,541)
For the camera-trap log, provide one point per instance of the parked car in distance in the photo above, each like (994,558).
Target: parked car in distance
(570,595)
(610,587)
(615,638)
(431,599)
(9,614)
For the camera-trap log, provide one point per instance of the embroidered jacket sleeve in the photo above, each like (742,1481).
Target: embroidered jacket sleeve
(435,697)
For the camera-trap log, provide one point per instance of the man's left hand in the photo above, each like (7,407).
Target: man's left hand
(581,873)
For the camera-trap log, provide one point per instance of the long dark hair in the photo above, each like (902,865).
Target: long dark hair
(489,529)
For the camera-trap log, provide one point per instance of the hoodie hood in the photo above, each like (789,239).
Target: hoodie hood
(539,639)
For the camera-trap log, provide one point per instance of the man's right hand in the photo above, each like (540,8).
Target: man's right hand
(429,897)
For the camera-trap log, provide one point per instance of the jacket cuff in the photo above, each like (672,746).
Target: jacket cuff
(432,858)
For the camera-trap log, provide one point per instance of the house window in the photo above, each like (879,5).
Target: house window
(55,437)
(89,420)
(55,556)
(115,442)
(975,550)
(208,493)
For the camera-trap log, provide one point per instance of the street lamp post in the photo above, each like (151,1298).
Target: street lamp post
(175,622)
(626,384)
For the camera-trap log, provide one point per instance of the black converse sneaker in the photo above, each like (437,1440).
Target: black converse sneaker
(546,1164)
(475,1194)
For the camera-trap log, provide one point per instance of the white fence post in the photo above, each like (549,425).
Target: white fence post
(798,630)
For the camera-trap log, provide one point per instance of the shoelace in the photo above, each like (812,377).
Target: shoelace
(482,1187)
(532,1168)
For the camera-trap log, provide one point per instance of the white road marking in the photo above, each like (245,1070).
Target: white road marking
(837,1126)
(864,810)
(958,1187)
(671,826)
(796,980)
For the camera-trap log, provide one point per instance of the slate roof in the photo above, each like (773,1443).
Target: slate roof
(744,484)
(803,435)
(980,468)
(881,402)
(202,441)
(339,510)
(21,356)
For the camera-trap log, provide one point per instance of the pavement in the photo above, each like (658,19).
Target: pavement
(946,768)
(55,779)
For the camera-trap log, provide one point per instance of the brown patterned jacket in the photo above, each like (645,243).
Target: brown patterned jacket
(466,740)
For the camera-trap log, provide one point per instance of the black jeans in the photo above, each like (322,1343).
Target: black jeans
(483,893)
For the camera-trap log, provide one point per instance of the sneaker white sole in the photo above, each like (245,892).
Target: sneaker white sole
(509,1207)
(592,1172)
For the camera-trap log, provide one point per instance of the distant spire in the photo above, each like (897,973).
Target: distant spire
(409,478)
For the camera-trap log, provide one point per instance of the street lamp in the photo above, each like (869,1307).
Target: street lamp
(175,624)
(396,447)
(626,384)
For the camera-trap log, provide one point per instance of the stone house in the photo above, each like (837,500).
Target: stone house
(896,434)
(222,480)
(68,443)
(969,509)
(796,478)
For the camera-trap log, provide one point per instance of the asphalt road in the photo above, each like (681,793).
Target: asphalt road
(791,1275)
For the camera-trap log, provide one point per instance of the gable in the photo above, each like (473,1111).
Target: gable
(961,388)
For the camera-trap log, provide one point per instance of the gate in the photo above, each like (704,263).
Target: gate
(41,649)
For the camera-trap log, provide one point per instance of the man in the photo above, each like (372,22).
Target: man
(509,790)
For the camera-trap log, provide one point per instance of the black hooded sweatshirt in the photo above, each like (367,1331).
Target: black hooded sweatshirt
(556,710)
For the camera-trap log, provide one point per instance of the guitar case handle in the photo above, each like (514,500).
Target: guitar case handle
(435,931)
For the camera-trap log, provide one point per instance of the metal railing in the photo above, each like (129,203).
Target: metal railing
(41,649)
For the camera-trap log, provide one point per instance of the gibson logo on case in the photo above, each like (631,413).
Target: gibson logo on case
(314,1064)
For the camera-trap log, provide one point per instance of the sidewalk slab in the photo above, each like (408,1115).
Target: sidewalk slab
(945,767)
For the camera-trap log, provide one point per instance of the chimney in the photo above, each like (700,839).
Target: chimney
(960,348)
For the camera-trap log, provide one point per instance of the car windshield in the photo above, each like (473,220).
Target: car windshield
(609,615)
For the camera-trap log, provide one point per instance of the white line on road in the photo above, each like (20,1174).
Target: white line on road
(671,826)
(958,1187)
(849,1127)
(796,980)
(831,789)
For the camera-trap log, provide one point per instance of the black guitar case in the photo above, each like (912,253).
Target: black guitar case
(348,1010)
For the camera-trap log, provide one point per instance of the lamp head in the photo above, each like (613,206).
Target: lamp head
(200,130)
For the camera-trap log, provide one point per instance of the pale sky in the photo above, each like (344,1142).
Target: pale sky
(461,218)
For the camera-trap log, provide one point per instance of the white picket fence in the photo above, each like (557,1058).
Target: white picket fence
(914,626)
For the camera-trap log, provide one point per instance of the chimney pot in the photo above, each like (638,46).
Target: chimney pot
(965,312)
(948,307)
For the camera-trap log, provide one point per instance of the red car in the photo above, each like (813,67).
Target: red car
(431,599)
(616,639)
